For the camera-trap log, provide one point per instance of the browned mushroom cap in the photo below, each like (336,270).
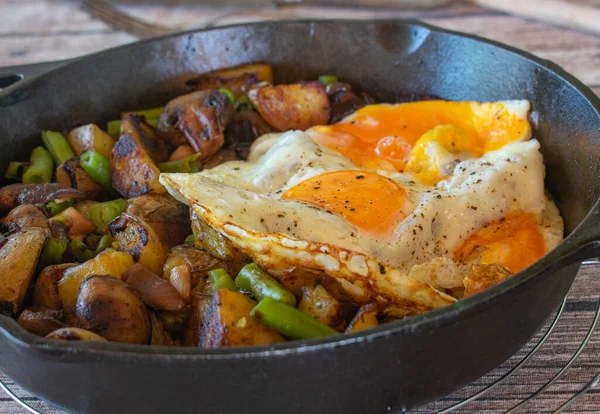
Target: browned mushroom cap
(44,193)
(200,118)
(154,291)
(42,322)
(9,193)
(110,308)
(244,128)
(74,334)
(27,216)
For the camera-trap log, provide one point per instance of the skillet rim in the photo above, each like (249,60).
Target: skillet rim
(574,243)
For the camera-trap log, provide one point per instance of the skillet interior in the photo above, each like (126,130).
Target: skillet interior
(383,58)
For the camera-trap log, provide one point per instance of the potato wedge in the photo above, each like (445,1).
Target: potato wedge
(90,137)
(236,79)
(111,309)
(133,172)
(45,292)
(215,243)
(484,276)
(109,262)
(145,136)
(228,323)
(169,219)
(74,334)
(18,259)
(71,175)
(137,238)
(295,106)
(41,323)
(159,335)
(319,304)
(365,318)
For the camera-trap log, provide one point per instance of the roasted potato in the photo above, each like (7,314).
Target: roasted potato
(159,335)
(137,238)
(111,309)
(90,137)
(45,292)
(365,318)
(133,172)
(198,118)
(18,259)
(484,276)
(71,175)
(109,262)
(343,101)
(41,322)
(228,323)
(154,291)
(319,304)
(168,218)
(27,216)
(145,136)
(74,334)
(295,106)
(215,243)
(199,303)
(236,79)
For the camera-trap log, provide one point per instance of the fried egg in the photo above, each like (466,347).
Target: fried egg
(465,182)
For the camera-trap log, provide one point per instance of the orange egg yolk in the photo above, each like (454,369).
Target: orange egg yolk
(369,201)
(514,242)
(381,136)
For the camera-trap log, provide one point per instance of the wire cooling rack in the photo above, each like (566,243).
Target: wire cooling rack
(558,367)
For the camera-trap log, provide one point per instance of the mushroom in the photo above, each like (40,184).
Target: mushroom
(156,292)
(110,308)
(42,322)
(27,216)
(74,334)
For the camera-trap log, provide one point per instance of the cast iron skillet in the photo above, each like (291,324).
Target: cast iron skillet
(393,367)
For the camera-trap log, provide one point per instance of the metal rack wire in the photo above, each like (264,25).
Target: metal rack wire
(549,330)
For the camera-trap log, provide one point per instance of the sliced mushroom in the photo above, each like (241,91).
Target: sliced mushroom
(155,292)
(74,334)
(71,175)
(200,118)
(241,132)
(44,193)
(110,308)
(27,216)
(9,193)
(42,322)
(224,155)
(45,292)
(18,259)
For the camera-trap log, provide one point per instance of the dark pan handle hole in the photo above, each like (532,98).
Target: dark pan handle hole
(8,80)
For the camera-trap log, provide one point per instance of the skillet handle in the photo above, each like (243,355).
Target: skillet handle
(585,247)
(12,75)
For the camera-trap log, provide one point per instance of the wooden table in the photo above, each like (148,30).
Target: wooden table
(36,30)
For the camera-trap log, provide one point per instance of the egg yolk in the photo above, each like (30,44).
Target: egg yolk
(514,242)
(369,201)
(382,136)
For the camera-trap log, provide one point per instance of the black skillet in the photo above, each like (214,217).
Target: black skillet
(393,367)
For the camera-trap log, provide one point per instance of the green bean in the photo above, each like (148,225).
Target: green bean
(58,146)
(185,165)
(55,208)
(15,170)
(190,239)
(253,279)
(80,251)
(103,213)
(104,243)
(41,166)
(97,167)
(243,104)
(53,251)
(289,321)
(228,93)
(153,113)
(327,80)
(113,128)
(221,279)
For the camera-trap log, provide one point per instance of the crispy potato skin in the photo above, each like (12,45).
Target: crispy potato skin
(199,118)
(133,172)
(236,79)
(483,276)
(199,304)
(109,308)
(294,106)
(137,238)
(41,323)
(71,175)
(90,137)
(228,323)
(45,292)
(145,136)
(18,260)
(365,318)
(74,334)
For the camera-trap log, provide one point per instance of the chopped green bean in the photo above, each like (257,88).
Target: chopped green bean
(185,165)
(53,251)
(289,321)
(327,80)
(153,113)
(228,93)
(190,239)
(104,243)
(113,128)
(15,170)
(103,213)
(221,279)
(55,208)
(80,251)
(41,166)
(97,167)
(253,279)
(58,146)
(243,104)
